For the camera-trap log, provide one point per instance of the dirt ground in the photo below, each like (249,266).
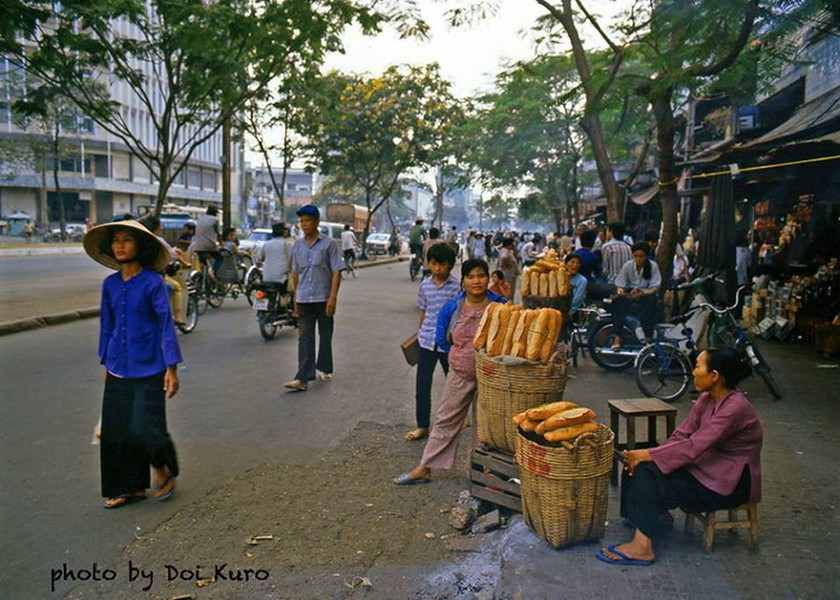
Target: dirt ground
(340,530)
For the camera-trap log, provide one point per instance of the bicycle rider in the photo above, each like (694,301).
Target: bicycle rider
(207,238)
(348,247)
(416,237)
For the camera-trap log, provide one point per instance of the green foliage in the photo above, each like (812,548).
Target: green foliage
(369,131)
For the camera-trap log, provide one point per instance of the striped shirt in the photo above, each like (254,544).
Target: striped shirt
(614,253)
(431,298)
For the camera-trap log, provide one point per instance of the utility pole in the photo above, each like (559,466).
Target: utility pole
(226,160)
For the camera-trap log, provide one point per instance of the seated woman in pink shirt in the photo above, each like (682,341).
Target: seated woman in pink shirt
(711,461)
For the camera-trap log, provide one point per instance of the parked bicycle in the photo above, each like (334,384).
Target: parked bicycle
(208,290)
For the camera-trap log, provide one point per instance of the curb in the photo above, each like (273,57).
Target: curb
(31,323)
(41,250)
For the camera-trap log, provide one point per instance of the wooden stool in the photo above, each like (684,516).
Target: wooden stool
(631,409)
(710,523)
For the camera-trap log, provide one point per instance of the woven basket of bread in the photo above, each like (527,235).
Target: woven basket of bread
(507,386)
(565,485)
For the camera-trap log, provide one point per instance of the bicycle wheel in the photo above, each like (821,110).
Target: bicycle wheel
(764,371)
(197,279)
(192,315)
(252,278)
(600,347)
(216,293)
(663,372)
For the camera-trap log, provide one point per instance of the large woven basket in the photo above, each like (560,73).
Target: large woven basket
(505,390)
(565,486)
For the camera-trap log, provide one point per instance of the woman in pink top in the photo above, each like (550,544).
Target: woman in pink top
(457,323)
(711,462)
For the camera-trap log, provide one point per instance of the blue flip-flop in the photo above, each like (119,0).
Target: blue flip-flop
(169,478)
(406,479)
(624,560)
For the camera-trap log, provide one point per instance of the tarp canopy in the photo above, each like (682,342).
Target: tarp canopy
(716,252)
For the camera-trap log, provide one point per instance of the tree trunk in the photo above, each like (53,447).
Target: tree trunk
(43,214)
(62,216)
(665,131)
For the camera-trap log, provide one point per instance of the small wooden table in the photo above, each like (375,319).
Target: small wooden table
(631,409)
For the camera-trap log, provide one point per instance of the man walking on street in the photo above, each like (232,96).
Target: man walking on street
(316,276)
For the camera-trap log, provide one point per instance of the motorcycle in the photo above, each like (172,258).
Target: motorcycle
(274,308)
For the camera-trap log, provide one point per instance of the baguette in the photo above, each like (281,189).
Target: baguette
(515,317)
(569,433)
(519,418)
(525,284)
(555,325)
(564,287)
(520,335)
(528,425)
(567,418)
(544,411)
(552,284)
(535,282)
(544,284)
(480,339)
(498,327)
(537,334)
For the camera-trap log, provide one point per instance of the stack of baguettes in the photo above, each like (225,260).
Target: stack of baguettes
(547,278)
(558,421)
(511,330)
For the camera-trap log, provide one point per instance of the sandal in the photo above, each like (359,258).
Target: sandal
(417,434)
(166,488)
(120,501)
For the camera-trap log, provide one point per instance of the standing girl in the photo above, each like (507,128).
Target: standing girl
(140,353)
(456,326)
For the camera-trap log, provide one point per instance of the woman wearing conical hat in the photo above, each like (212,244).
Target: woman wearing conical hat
(140,353)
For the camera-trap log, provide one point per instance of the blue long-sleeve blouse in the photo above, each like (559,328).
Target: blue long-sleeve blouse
(137,332)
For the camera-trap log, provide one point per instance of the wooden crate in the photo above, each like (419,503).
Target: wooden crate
(491,470)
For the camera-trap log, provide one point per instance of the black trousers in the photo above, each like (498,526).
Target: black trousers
(426,362)
(649,493)
(134,434)
(643,308)
(310,314)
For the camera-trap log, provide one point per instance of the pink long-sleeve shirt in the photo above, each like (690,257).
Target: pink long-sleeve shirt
(715,442)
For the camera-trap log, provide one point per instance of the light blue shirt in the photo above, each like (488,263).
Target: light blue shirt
(277,256)
(630,277)
(315,266)
(578,284)
(431,298)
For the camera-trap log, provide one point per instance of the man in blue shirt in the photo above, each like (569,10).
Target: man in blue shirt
(316,276)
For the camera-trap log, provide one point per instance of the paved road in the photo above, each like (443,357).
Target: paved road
(231,416)
(44,285)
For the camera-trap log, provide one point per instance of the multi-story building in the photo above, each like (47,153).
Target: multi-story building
(99,177)
(263,206)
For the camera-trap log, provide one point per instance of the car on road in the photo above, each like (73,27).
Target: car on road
(255,240)
(377,243)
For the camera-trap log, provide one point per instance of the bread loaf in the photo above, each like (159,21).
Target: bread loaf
(498,326)
(528,425)
(515,317)
(544,284)
(555,325)
(569,433)
(537,333)
(567,418)
(480,339)
(564,286)
(520,335)
(552,284)
(544,411)
(535,282)
(525,284)
(518,418)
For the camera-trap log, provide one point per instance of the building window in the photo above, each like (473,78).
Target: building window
(194,179)
(208,180)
